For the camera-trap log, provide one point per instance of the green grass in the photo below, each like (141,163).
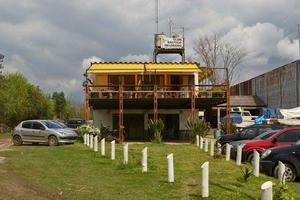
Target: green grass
(75,172)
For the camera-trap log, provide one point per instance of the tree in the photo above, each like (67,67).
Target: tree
(214,52)
(60,103)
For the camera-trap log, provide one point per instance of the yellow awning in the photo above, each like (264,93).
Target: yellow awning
(112,68)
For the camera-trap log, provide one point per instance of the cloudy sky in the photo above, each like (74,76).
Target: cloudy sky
(52,41)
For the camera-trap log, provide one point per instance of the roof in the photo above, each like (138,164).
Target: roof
(245,101)
(147,67)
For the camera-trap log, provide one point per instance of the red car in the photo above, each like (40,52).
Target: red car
(284,137)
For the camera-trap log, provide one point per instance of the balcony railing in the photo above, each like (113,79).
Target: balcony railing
(162,92)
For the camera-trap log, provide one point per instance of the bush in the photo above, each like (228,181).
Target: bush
(233,128)
(155,129)
(246,172)
(282,192)
(87,129)
(199,127)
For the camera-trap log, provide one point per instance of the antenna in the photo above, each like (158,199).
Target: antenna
(299,36)
(156,15)
(171,23)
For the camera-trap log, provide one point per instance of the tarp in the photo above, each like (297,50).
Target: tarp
(290,113)
(235,118)
(260,119)
(270,113)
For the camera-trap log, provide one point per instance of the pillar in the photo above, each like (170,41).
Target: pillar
(228,150)
(266,191)
(144,160)
(281,171)
(125,153)
(170,168)
(201,142)
(205,180)
(255,163)
(212,148)
(113,150)
(96,143)
(103,147)
(239,155)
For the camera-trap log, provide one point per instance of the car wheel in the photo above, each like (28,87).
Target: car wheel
(17,140)
(290,172)
(52,141)
(250,158)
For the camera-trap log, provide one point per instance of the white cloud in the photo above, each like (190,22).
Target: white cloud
(66,85)
(87,61)
(288,49)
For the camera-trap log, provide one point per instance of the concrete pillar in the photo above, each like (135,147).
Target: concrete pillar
(125,153)
(84,138)
(219,118)
(103,147)
(228,150)
(266,191)
(212,148)
(144,160)
(88,139)
(170,168)
(113,150)
(197,140)
(206,145)
(91,141)
(255,163)
(239,155)
(96,143)
(201,142)
(205,180)
(281,172)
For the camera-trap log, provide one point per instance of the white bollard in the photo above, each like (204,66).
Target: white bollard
(170,168)
(266,191)
(228,151)
(88,139)
(103,147)
(113,150)
(197,140)
(96,143)
(144,160)
(84,138)
(125,153)
(239,155)
(255,163)
(206,145)
(91,141)
(201,142)
(281,172)
(205,179)
(212,148)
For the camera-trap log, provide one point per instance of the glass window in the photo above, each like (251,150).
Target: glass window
(249,133)
(51,125)
(289,136)
(265,135)
(37,126)
(26,125)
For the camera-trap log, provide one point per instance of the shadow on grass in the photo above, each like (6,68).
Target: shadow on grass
(222,187)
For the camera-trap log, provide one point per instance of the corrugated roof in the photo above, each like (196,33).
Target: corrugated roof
(244,101)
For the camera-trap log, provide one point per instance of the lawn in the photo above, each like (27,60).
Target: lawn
(75,172)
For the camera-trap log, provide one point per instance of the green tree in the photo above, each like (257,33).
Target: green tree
(60,104)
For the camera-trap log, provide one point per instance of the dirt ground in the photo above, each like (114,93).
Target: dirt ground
(13,187)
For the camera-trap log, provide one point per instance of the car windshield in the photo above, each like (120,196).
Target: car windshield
(265,135)
(60,124)
(51,125)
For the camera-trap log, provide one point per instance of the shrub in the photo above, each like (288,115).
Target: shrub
(233,128)
(282,192)
(246,172)
(199,127)
(155,129)
(87,129)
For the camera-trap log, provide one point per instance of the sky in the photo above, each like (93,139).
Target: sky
(52,42)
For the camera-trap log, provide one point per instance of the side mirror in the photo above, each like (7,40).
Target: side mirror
(42,128)
(274,140)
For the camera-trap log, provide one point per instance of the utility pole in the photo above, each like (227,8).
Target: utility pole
(156,15)
(1,61)
(299,37)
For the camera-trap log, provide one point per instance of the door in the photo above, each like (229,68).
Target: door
(38,132)
(26,130)
(287,137)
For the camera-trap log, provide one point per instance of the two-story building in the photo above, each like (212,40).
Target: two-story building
(125,95)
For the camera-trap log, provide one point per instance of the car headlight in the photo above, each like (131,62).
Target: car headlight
(266,154)
(63,133)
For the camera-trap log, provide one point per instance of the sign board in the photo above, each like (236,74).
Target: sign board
(164,42)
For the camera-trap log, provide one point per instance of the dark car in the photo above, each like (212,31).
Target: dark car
(289,155)
(249,133)
(74,123)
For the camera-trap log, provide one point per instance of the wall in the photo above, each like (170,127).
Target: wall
(277,88)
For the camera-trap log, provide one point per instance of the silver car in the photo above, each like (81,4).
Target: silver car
(42,131)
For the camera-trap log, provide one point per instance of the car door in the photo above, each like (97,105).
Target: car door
(287,137)
(38,132)
(26,130)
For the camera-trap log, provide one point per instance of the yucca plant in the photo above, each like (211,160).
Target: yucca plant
(155,129)
(199,127)
(246,172)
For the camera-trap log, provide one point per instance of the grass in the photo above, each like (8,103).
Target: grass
(75,172)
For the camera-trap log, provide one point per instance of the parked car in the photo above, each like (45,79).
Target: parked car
(62,125)
(289,155)
(42,131)
(249,133)
(74,123)
(284,137)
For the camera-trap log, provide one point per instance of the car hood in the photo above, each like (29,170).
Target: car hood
(66,131)
(236,143)
(229,136)
(286,148)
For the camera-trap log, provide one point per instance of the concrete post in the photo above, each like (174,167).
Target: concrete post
(239,155)
(84,138)
(197,140)
(255,163)
(144,160)
(212,148)
(170,168)
(113,150)
(228,150)
(201,142)
(206,145)
(103,147)
(96,143)
(205,180)
(88,139)
(266,191)
(91,141)
(218,118)
(281,172)
(125,153)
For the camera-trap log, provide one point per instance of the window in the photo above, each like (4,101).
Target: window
(37,126)
(51,125)
(289,136)
(26,125)
(249,133)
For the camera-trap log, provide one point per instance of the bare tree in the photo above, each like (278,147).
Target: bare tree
(215,53)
